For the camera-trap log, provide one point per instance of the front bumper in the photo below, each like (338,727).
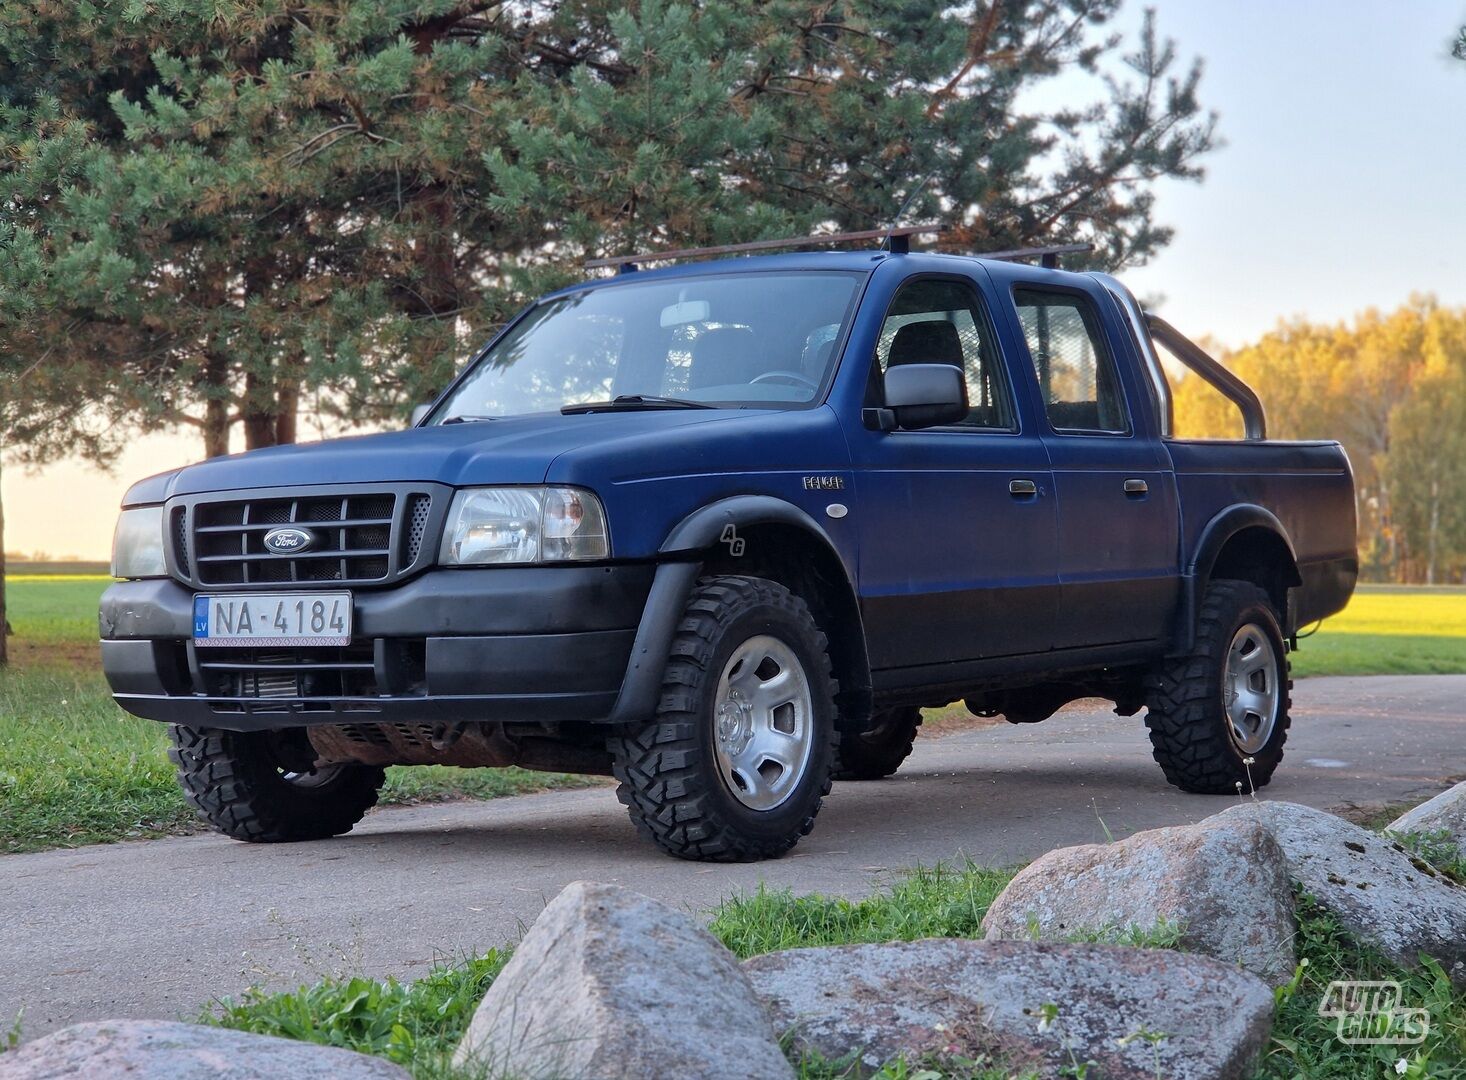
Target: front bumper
(547,644)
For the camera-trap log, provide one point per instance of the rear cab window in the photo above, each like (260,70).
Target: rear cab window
(1076,372)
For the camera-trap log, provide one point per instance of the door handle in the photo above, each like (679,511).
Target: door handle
(1136,487)
(1022,487)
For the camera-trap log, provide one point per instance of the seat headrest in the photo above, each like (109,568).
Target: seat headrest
(725,356)
(930,342)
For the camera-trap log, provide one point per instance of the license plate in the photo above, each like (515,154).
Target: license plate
(290,619)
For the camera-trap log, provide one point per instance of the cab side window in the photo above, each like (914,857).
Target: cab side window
(936,321)
(1076,373)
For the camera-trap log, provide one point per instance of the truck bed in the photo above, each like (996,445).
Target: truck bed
(1307,486)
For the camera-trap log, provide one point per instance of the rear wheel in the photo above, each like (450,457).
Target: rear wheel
(878,751)
(1219,717)
(262,786)
(737,760)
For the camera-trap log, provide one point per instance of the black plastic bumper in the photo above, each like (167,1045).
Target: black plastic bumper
(513,644)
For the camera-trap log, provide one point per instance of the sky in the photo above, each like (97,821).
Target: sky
(1342,186)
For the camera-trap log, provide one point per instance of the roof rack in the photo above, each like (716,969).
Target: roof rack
(1048,256)
(897,240)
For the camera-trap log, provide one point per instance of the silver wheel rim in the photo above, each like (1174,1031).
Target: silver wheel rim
(320,778)
(763,723)
(1250,688)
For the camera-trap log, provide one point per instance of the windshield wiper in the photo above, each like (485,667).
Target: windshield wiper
(466,420)
(633,401)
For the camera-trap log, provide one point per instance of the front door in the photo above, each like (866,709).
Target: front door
(1118,556)
(957,524)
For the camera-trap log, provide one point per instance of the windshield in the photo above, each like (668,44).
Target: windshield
(758,339)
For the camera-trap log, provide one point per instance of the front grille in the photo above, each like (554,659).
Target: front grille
(417,525)
(357,537)
(180,538)
(324,673)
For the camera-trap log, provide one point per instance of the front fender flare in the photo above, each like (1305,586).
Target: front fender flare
(705,527)
(674,581)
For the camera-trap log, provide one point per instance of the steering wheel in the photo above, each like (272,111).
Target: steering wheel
(786,376)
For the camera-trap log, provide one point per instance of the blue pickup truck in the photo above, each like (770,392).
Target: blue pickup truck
(722,530)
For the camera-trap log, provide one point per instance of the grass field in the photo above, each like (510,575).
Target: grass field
(1390,631)
(75,769)
(418,1024)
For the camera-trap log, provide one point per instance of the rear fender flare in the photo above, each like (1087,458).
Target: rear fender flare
(1214,537)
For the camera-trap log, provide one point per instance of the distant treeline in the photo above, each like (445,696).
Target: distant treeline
(1391,388)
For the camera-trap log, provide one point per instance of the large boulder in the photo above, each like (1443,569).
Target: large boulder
(163,1050)
(1226,888)
(951,997)
(1446,813)
(610,983)
(1376,889)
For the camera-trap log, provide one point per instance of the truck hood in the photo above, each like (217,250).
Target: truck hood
(516,450)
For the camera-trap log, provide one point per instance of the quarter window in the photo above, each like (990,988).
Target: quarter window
(1075,371)
(936,321)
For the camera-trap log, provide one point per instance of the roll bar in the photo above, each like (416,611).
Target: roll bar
(1254,417)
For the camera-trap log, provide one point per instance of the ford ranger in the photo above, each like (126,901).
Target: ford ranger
(722,530)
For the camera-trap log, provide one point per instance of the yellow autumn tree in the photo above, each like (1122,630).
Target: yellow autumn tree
(1380,379)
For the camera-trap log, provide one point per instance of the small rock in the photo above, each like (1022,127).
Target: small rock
(164,1050)
(1227,888)
(1376,889)
(935,998)
(610,983)
(1444,813)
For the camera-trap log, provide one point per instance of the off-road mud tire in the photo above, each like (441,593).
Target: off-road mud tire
(666,768)
(235,781)
(1189,731)
(878,751)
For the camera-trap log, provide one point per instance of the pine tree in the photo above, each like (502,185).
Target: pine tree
(237,211)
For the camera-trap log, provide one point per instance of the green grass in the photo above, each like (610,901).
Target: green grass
(75,769)
(418,1024)
(942,901)
(1305,1045)
(27,569)
(415,1024)
(1390,631)
(61,611)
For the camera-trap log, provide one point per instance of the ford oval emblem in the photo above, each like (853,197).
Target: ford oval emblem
(288,541)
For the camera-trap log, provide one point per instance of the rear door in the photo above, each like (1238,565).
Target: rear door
(956,524)
(1118,546)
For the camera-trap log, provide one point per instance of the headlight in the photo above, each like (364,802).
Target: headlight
(137,545)
(490,526)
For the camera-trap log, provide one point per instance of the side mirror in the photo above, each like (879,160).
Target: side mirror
(922,396)
(419,414)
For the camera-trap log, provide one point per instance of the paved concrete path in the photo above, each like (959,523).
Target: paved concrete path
(159,928)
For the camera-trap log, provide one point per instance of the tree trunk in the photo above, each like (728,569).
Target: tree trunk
(287,401)
(431,208)
(270,413)
(1434,531)
(4,623)
(259,413)
(216,429)
(1387,528)
(216,409)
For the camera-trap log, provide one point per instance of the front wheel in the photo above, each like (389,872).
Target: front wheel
(1219,716)
(737,760)
(263,786)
